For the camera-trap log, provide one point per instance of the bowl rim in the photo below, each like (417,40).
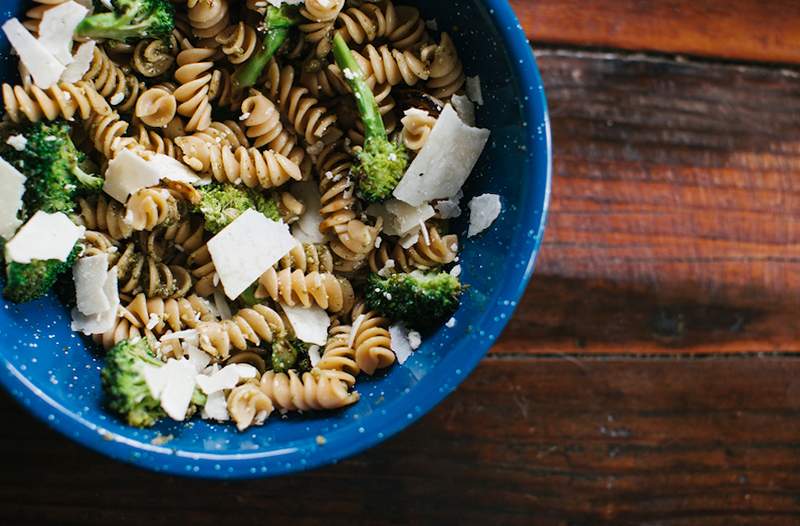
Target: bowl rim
(339,444)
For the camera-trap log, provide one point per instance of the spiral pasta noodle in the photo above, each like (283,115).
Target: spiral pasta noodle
(372,342)
(107,133)
(153,58)
(61,101)
(97,243)
(151,207)
(99,213)
(431,251)
(251,325)
(194,77)
(321,15)
(155,142)
(339,357)
(208,17)
(308,257)
(296,287)
(238,42)
(446,72)
(417,126)
(386,65)
(263,123)
(310,119)
(171,314)
(289,207)
(313,390)
(139,272)
(156,107)
(368,22)
(121,89)
(247,405)
(248,166)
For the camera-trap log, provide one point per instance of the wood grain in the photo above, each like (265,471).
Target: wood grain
(675,179)
(733,29)
(579,441)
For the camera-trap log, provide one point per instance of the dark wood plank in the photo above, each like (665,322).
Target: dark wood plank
(675,179)
(733,29)
(566,441)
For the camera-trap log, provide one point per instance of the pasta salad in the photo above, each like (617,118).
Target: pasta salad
(246,205)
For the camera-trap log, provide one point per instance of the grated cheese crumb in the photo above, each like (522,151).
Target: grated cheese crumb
(18,142)
(455,271)
(116,99)
(414,339)
(450,323)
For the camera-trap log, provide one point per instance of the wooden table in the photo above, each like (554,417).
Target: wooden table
(651,374)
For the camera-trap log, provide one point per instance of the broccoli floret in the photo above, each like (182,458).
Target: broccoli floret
(421,300)
(29,281)
(130,20)
(278,22)
(381,163)
(289,354)
(126,391)
(220,204)
(53,166)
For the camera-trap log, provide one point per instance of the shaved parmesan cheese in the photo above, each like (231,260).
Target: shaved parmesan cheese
(400,218)
(223,309)
(483,210)
(42,65)
(56,29)
(172,169)
(197,357)
(449,208)
(400,344)
(414,339)
(103,321)
(465,108)
(12,186)
(89,275)
(354,329)
(474,91)
(226,378)
(444,163)
(18,142)
(409,240)
(277,3)
(306,229)
(313,355)
(216,408)
(80,63)
(178,389)
(156,379)
(310,324)
(128,173)
(246,248)
(45,236)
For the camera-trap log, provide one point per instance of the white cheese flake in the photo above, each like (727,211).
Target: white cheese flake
(414,339)
(278,3)
(246,248)
(314,355)
(79,65)
(409,240)
(89,275)
(223,309)
(465,109)
(449,208)
(474,91)
(12,187)
(45,236)
(216,408)
(117,98)
(45,69)
(306,229)
(197,357)
(57,27)
(18,142)
(400,218)
(400,344)
(226,378)
(178,389)
(450,323)
(126,174)
(483,210)
(172,169)
(444,163)
(310,324)
(103,321)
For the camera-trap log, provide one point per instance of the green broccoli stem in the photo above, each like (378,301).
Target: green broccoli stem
(278,23)
(365,99)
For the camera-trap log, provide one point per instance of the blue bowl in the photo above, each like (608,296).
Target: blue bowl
(55,373)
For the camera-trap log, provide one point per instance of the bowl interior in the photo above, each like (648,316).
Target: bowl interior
(56,373)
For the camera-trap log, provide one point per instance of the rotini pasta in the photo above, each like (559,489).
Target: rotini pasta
(194,76)
(372,342)
(446,72)
(248,405)
(155,142)
(208,17)
(321,15)
(249,326)
(429,252)
(101,214)
(65,101)
(121,89)
(315,390)
(151,207)
(263,123)
(308,257)
(296,287)
(153,58)
(238,42)
(339,356)
(160,315)
(417,126)
(107,133)
(156,107)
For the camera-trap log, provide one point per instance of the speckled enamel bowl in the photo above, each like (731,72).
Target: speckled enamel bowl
(55,374)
